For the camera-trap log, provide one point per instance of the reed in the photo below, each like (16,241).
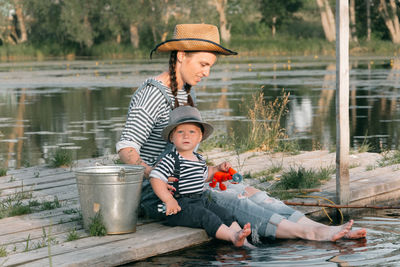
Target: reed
(265,131)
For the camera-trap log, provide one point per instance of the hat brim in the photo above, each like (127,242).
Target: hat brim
(208,129)
(192,44)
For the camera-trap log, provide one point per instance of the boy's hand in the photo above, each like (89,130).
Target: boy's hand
(172,207)
(224,166)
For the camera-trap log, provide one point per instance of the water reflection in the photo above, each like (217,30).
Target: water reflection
(381,248)
(82,105)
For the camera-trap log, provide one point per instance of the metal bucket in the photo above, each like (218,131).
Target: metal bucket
(114,191)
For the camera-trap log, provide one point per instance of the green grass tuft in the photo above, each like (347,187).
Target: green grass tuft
(61,158)
(3,252)
(96,226)
(72,235)
(300,178)
(3,172)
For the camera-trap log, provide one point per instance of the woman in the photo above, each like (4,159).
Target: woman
(194,49)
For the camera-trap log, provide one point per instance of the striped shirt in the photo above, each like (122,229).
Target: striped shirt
(192,173)
(148,115)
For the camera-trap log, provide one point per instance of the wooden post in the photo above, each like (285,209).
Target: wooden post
(342,102)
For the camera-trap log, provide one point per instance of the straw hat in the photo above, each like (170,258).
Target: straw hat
(185,114)
(194,37)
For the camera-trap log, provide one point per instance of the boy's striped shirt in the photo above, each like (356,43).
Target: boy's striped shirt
(192,173)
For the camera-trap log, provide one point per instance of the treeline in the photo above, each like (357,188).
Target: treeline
(115,27)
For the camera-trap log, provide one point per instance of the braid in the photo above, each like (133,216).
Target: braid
(172,76)
(189,97)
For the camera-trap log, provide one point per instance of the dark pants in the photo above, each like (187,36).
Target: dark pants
(201,213)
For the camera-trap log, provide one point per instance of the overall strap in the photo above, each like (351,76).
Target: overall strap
(177,173)
(158,86)
(193,95)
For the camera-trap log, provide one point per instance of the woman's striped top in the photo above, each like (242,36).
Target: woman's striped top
(148,114)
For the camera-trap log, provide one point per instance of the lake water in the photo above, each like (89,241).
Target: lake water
(380,248)
(81,105)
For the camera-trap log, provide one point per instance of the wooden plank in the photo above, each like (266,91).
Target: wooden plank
(25,224)
(32,173)
(70,252)
(17,242)
(138,246)
(37,187)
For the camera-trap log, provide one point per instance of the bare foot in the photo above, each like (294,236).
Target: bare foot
(344,230)
(240,238)
(356,234)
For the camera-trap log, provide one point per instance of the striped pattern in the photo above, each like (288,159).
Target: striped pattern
(147,116)
(192,173)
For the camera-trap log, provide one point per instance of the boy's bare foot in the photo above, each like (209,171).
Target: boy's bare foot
(240,238)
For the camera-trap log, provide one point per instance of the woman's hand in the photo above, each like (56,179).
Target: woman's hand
(172,207)
(129,155)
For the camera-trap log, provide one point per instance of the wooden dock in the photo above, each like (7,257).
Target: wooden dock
(41,237)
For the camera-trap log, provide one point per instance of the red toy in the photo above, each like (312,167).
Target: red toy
(220,177)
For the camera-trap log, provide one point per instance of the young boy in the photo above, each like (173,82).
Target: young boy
(188,207)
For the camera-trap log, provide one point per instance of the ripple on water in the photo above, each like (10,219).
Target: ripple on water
(380,248)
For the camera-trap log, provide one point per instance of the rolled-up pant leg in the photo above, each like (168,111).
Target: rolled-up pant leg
(263,220)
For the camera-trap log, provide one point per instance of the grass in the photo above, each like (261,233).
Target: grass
(96,226)
(71,211)
(389,158)
(47,241)
(15,205)
(72,235)
(3,252)
(300,178)
(265,175)
(61,158)
(255,44)
(3,172)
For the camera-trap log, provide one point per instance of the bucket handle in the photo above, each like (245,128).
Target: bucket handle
(121,175)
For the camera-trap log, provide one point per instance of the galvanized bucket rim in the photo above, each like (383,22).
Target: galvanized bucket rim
(110,169)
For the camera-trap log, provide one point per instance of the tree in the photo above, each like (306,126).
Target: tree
(327,19)
(22,35)
(76,18)
(388,11)
(276,12)
(368,18)
(224,26)
(352,16)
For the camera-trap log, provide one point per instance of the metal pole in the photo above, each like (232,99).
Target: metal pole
(342,103)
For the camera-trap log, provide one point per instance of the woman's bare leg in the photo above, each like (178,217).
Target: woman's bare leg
(352,234)
(308,229)
(289,230)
